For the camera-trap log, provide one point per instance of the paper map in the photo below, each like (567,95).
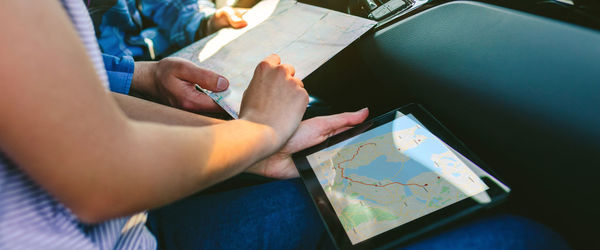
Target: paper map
(303,35)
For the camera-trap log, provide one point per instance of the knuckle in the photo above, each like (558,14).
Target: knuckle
(299,82)
(281,68)
(304,95)
(301,91)
(281,72)
(263,65)
(296,82)
(289,67)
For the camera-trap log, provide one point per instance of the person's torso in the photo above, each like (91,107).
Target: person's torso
(30,218)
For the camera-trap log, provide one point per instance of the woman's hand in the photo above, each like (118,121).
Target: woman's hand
(310,132)
(275,98)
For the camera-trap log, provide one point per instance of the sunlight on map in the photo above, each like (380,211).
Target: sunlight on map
(303,35)
(255,16)
(391,175)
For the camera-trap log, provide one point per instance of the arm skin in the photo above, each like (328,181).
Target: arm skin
(279,165)
(65,131)
(142,110)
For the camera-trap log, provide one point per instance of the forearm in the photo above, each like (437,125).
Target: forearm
(68,135)
(157,164)
(142,110)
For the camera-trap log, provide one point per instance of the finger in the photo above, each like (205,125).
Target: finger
(316,130)
(207,79)
(289,69)
(273,60)
(199,102)
(341,122)
(233,19)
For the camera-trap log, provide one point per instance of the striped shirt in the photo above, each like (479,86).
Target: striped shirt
(30,218)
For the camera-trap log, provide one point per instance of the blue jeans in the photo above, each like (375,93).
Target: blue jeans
(280,215)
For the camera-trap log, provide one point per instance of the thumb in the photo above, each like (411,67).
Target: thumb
(207,79)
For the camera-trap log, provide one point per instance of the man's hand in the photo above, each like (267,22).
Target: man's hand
(171,81)
(310,132)
(226,17)
(275,98)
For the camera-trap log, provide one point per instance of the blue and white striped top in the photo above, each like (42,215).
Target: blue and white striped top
(30,218)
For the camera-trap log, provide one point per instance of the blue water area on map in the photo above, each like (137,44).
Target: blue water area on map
(381,169)
(422,153)
(420,156)
(435,200)
(420,200)
(450,164)
(427,148)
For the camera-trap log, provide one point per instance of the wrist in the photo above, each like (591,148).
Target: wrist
(271,141)
(144,79)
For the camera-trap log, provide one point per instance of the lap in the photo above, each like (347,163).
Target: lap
(281,215)
(275,215)
(495,232)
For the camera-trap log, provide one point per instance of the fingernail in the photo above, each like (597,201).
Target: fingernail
(363,109)
(222,83)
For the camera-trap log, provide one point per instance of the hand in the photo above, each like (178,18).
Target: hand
(310,132)
(171,81)
(275,98)
(226,17)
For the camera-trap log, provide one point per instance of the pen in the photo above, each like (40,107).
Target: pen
(217,99)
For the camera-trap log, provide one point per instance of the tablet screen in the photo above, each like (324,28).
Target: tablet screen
(391,175)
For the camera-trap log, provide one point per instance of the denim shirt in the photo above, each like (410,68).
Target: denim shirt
(146,29)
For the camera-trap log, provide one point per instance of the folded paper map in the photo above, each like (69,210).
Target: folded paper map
(303,35)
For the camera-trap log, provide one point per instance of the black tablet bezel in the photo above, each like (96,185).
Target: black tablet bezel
(411,229)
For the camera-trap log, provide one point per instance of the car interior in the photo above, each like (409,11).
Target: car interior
(517,81)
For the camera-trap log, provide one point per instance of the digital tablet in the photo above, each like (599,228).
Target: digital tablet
(391,178)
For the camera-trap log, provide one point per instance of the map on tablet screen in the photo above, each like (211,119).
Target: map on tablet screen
(391,175)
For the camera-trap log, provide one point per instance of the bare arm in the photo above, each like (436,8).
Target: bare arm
(66,132)
(142,110)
